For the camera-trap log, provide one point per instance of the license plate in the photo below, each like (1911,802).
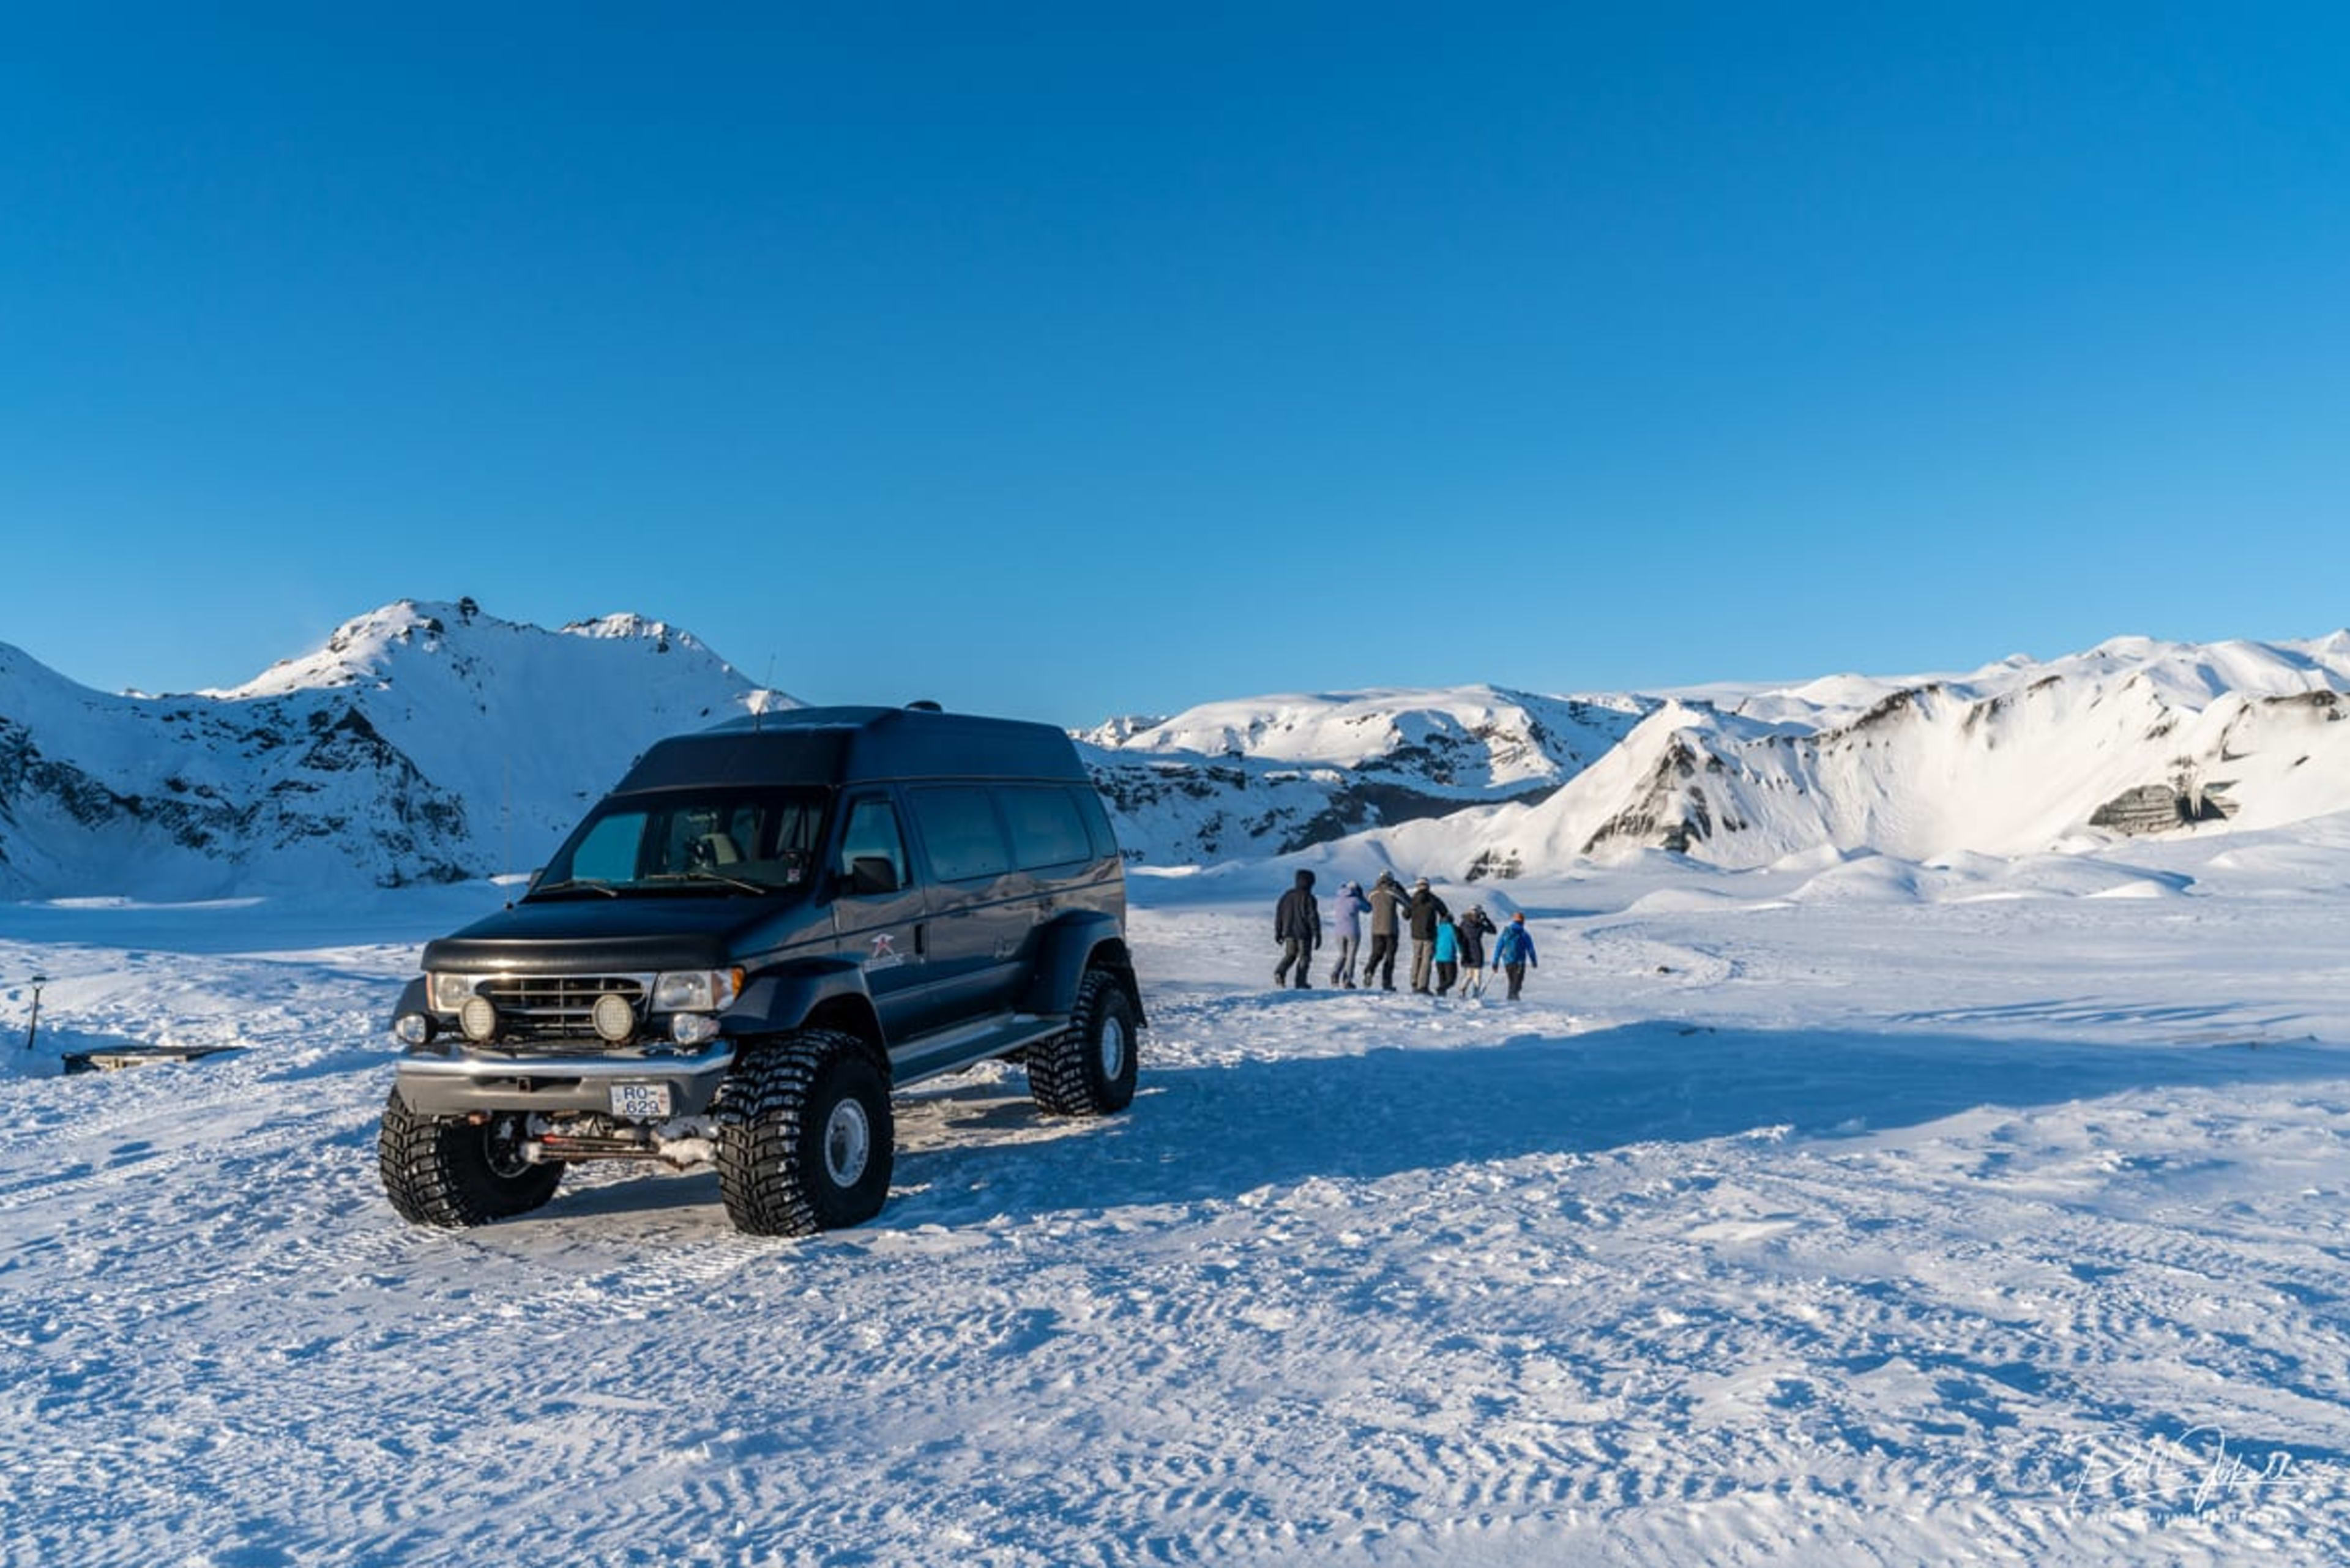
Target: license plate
(641,1102)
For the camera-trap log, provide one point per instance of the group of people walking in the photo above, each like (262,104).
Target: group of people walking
(1446,949)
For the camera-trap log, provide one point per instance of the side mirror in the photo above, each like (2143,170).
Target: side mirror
(869,874)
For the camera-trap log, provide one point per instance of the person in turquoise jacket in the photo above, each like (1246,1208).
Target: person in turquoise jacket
(1448,954)
(1515,952)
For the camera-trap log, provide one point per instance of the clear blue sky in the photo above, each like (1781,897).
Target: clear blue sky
(1065,360)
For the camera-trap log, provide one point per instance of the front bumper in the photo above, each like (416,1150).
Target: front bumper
(443,1079)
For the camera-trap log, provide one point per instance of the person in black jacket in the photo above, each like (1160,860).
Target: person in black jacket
(1428,912)
(1474,927)
(1297,926)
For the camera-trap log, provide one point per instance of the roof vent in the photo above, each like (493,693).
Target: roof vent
(924,705)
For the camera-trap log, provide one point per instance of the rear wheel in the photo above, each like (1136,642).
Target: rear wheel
(1087,1069)
(453,1171)
(804,1136)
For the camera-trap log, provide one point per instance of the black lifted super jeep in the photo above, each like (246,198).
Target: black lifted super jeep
(766,928)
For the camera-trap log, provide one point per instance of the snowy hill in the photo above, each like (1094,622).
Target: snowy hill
(1278,773)
(2132,737)
(425,741)
(429,742)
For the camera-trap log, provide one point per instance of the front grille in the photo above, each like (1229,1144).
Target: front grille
(557,1006)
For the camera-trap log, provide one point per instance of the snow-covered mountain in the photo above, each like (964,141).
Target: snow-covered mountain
(2135,736)
(1278,774)
(425,741)
(433,741)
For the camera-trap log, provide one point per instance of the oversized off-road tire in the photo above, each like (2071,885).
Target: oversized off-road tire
(1087,1069)
(452,1172)
(804,1136)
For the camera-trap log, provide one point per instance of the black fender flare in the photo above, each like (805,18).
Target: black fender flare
(1069,947)
(792,998)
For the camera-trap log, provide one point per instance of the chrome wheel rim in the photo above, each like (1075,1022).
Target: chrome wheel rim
(1113,1049)
(848,1143)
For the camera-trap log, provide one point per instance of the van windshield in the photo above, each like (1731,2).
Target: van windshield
(721,840)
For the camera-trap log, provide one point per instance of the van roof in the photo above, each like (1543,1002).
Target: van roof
(848,745)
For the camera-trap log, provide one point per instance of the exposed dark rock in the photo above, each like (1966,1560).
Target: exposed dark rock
(2160,807)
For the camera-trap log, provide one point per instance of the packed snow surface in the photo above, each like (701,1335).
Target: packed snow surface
(1848,1211)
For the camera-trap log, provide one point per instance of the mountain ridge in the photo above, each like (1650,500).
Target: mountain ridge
(429,740)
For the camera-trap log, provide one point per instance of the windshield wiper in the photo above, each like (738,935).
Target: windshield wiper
(758,887)
(593,884)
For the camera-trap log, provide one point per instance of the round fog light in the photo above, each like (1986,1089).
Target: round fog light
(615,1020)
(692,1028)
(412,1029)
(478,1018)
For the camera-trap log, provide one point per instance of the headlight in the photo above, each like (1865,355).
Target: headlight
(696,990)
(448,991)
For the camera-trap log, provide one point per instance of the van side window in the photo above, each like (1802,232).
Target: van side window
(872,834)
(1045,827)
(959,830)
(1090,805)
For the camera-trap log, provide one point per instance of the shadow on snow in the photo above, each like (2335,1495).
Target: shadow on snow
(1217,1132)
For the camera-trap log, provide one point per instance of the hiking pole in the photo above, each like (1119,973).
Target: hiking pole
(32,1026)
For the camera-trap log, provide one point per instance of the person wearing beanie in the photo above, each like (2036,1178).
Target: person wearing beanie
(1386,900)
(1474,927)
(1349,910)
(1447,955)
(1515,952)
(1428,912)
(1297,926)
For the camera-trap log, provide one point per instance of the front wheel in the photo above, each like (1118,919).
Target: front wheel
(804,1137)
(453,1171)
(1087,1069)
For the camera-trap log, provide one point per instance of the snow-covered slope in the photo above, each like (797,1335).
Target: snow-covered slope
(1277,773)
(2134,736)
(430,741)
(424,742)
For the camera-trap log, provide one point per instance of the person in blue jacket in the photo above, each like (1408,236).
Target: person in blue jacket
(1515,952)
(1447,955)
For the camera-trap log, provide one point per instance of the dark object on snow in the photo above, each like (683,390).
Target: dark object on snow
(115,1058)
(2158,808)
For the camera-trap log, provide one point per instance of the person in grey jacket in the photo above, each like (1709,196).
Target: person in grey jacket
(1386,900)
(1347,914)
(1297,926)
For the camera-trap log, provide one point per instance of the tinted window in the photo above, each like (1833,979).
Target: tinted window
(959,830)
(1089,802)
(762,839)
(608,851)
(872,834)
(1045,827)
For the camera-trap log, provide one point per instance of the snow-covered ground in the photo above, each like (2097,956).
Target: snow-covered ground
(1852,1211)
